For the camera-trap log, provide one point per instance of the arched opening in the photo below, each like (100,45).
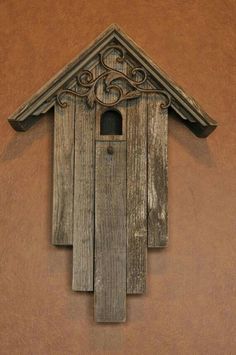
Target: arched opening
(111,123)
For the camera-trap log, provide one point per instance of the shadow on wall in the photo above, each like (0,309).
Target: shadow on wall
(18,146)
(198,148)
(21,141)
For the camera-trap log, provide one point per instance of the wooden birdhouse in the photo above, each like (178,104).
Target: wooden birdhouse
(110,164)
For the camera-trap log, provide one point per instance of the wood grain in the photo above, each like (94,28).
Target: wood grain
(136,194)
(83,245)
(157,173)
(110,235)
(63,174)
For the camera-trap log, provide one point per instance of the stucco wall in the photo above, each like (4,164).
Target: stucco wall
(189,307)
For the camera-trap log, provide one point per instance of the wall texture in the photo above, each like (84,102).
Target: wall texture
(189,307)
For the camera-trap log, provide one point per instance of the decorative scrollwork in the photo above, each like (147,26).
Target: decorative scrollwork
(89,84)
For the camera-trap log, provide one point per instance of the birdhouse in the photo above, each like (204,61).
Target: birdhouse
(110,164)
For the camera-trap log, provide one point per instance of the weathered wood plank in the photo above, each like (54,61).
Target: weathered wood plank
(83,244)
(136,194)
(63,174)
(110,235)
(157,173)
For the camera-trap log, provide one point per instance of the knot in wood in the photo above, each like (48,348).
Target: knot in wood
(110,150)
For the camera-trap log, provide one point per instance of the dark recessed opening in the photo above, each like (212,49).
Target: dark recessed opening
(111,123)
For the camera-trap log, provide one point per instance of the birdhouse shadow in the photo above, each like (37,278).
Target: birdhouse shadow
(198,148)
(67,250)
(21,141)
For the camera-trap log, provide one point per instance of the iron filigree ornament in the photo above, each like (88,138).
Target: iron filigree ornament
(89,84)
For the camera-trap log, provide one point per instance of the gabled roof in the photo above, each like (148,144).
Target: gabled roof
(186,107)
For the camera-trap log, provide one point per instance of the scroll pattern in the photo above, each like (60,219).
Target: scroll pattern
(89,84)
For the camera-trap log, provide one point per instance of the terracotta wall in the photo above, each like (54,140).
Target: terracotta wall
(189,307)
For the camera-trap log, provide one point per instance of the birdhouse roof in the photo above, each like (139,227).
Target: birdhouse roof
(186,107)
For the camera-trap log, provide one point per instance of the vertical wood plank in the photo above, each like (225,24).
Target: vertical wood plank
(136,195)
(110,235)
(157,173)
(63,173)
(83,243)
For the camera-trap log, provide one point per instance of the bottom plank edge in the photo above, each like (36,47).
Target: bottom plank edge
(63,244)
(158,246)
(123,320)
(136,292)
(77,288)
